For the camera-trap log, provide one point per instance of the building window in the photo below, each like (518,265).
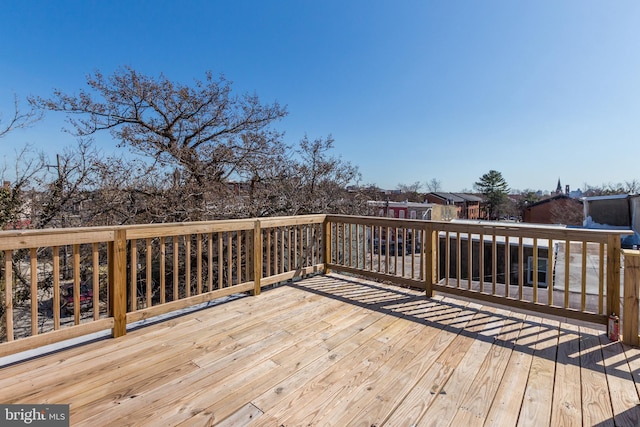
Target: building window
(401,214)
(391,213)
(413,215)
(542,271)
(381,212)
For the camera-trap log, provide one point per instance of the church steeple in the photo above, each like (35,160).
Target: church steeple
(559,187)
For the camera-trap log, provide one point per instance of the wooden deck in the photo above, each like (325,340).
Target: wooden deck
(335,351)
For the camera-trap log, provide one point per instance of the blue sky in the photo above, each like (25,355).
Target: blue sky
(410,90)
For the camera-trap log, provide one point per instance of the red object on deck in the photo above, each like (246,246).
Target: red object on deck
(613,329)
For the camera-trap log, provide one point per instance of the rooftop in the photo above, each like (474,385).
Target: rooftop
(333,350)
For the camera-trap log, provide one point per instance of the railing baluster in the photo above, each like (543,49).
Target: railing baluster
(601,280)
(534,269)
(33,274)
(239,256)
(469,260)
(229,260)
(379,231)
(8,293)
(481,260)
(56,287)
(507,266)
(521,267)
(95,252)
(550,271)
(187,265)
(583,278)
(414,237)
(134,274)
(149,271)
(267,245)
(220,261)
(257,257)
(76,284)
(199,263)
(163,267)
(403,251)
(458,260)
(276,251)
(210,262)
(447,254)
(176,268)
(567,276)
(494,262)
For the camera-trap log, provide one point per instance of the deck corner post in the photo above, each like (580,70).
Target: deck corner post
(118,282)
(613,274)
(257,256)
(631,297)
(430,255)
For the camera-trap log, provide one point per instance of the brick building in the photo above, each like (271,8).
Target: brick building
(559,209)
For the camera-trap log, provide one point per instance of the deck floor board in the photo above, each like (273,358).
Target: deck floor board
(335,350)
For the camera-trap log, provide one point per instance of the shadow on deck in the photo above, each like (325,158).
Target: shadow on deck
(334,350)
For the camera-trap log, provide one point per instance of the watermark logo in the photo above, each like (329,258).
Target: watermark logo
(34,415)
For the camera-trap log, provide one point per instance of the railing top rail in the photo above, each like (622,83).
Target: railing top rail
(22,239)
(292,220)
(374,220)
(488,228)
(182,228)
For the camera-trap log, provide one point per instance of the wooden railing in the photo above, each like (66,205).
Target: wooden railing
(63,283)
(573,273)
(66,283)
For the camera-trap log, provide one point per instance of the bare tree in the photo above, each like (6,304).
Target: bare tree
(311,180)
(632,187)
(433,185)
(202,129)
(568,212)
(206,154)
(410,192)
(62,187)
(12,205)
(18,119)
(15,211)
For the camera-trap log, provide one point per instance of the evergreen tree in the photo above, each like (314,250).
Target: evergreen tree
(495,189)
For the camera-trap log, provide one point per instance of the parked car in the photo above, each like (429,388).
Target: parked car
(67,301)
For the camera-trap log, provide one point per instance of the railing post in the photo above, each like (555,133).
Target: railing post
(630,298)
(613,274)
(118,283)
(430,255)
(257,257)
(327,245)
